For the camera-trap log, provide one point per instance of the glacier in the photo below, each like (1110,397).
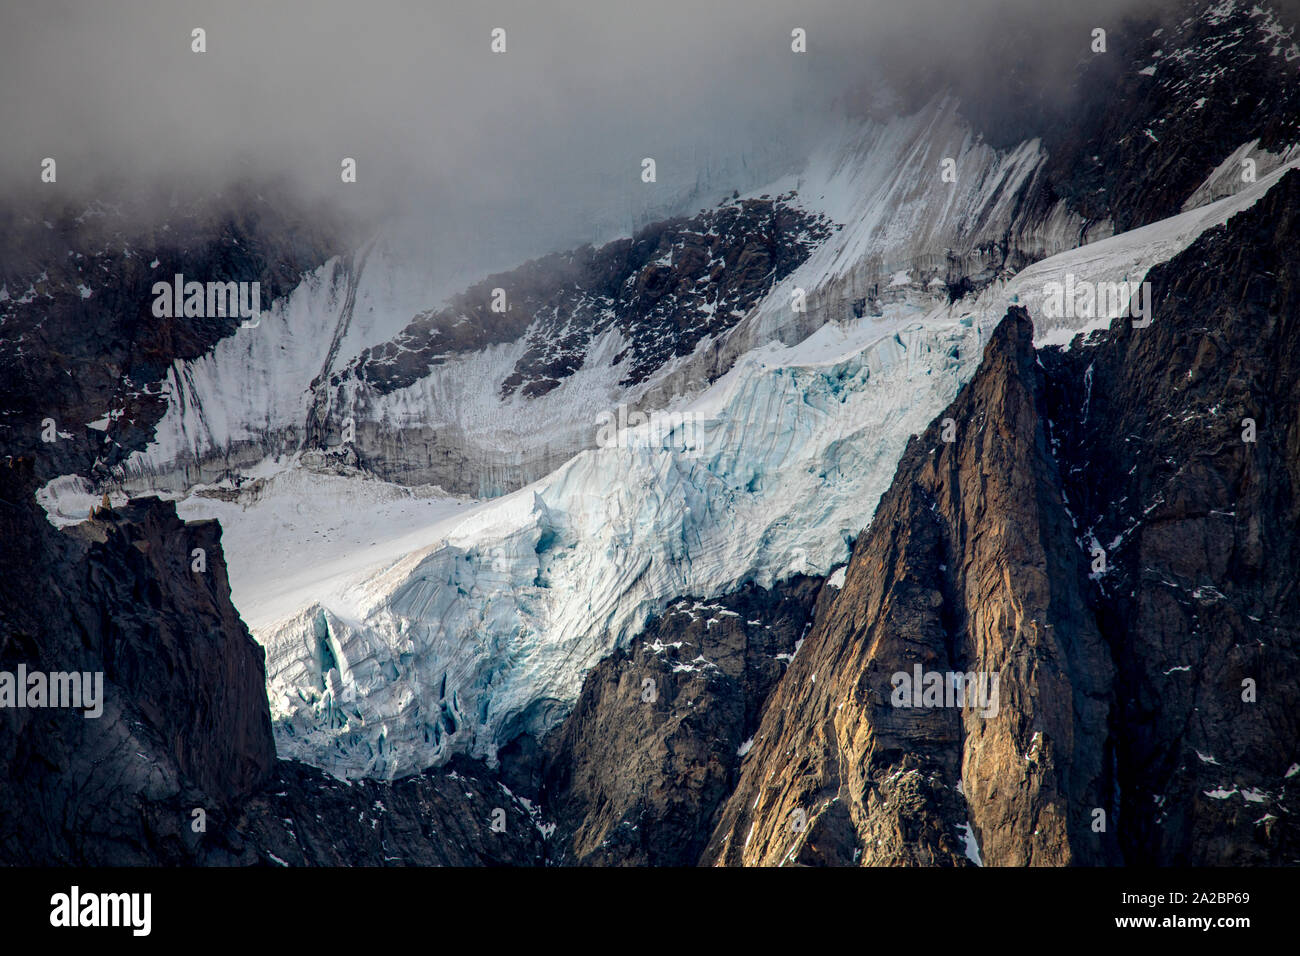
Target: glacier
(488,631)
(404,625)
(264,391)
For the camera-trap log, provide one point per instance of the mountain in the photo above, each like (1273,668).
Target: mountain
(1153,694)
(615,558)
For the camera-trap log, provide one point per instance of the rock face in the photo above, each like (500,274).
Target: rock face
(1180,445)
(956,573)
(664,290)
(185,711)
(449,818)
(174,644)
(1183,91)
(180,768)
(77,295)
(1147,120)
(636,772)
(1106,535)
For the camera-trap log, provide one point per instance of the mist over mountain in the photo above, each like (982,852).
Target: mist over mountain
(853,434)
(509,154)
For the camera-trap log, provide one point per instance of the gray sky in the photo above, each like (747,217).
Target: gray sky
(536,148)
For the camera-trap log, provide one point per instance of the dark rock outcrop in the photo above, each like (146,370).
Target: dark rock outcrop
(1141,125)
(1180,451)
(80,337)
(184,684)
(180,766)
(637,771)
(664,289)
(447,817)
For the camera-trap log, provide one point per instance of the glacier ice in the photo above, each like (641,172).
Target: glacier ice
(403,625)
(489,630)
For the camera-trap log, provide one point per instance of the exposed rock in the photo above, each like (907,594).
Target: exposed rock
(955,574)
(444,818)
(80,336)
(1143,124)
(183,681)
(1200,528)
(664,290)
(636,772)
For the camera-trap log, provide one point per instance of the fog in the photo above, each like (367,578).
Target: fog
(493,154)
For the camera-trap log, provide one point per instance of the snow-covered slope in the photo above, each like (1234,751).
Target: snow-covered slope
(267,390)
(456,636)
(405,625)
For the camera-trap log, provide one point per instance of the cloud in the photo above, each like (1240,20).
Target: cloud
(537,147)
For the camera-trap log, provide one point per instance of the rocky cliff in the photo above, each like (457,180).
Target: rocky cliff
(180,767)
(1111,532)
(651,749)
